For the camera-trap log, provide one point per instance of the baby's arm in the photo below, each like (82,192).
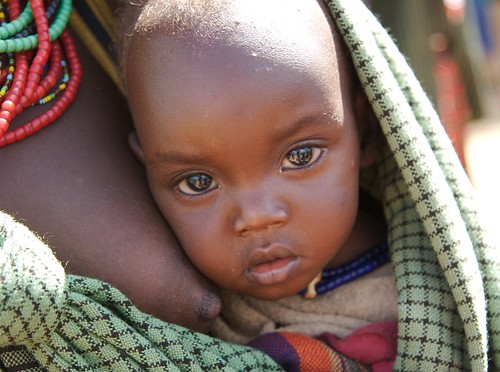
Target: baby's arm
(77,184)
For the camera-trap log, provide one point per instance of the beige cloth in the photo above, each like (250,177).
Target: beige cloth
(371,298)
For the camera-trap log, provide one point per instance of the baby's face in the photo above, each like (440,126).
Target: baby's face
(253,159)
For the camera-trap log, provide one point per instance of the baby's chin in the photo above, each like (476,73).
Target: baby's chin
(272,294)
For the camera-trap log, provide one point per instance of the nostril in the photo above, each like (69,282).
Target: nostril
(259,215)
(244,232)
(276,224)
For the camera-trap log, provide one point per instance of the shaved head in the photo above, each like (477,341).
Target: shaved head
(278,30)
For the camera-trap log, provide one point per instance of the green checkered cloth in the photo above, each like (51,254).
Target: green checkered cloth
(447,274)
(72,323)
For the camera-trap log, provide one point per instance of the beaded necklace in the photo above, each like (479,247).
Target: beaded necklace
(329,279)
(38,62)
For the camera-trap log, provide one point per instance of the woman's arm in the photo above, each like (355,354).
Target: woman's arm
(77,184)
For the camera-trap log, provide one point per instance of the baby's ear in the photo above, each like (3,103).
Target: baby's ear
(135,146)
(369,132)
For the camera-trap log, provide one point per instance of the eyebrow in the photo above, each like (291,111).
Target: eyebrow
(303,122)
(169,156)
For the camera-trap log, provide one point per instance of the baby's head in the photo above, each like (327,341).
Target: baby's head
(252,132)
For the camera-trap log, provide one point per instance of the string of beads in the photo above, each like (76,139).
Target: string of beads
(364,264)
(38,64)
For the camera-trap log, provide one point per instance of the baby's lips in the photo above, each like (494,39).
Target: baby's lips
(269,253)
(272,273)
(275,264)
(271,265)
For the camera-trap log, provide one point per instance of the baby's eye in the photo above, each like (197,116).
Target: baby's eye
(196,184)
(301,157)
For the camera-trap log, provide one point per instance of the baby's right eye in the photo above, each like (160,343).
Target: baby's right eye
(197,184)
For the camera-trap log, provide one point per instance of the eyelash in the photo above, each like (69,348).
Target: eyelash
(198,178)
(309,154)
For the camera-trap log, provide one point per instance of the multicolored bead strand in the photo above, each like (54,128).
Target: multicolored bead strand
(46,66)
(9,76)
(362,265)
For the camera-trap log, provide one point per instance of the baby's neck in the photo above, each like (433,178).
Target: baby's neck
(369,230)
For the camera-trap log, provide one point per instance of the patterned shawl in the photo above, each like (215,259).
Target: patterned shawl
(447,272)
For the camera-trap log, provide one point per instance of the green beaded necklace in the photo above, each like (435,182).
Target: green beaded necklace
(42,64)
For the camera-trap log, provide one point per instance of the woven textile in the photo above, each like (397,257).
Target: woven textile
(447,274)
(369,299)
(296,352)
(70,323)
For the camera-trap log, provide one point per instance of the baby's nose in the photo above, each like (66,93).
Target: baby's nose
(257,212)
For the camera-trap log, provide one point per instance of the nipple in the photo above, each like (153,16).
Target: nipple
(210,306)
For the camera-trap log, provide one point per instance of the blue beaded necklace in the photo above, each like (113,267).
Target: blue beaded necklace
(364,264)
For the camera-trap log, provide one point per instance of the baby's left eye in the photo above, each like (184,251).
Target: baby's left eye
(301,157)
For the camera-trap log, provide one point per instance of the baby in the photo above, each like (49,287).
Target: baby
(253,131)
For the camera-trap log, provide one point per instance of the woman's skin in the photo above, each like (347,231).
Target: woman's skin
(77,184)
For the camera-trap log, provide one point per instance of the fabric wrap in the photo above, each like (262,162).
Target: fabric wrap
(27,314)
(82,324)
(447,273)
(369,299)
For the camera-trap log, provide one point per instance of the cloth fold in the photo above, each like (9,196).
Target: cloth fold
(32,290)
(370,348)
(445,266)
(297,352)
(374,345)
(369,299)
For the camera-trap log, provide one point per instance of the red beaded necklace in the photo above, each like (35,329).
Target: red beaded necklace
(37,77)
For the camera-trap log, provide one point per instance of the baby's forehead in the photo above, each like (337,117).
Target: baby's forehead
(217,16)
(255,61)
(279,30)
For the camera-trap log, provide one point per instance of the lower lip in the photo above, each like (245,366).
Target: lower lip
(273,272)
